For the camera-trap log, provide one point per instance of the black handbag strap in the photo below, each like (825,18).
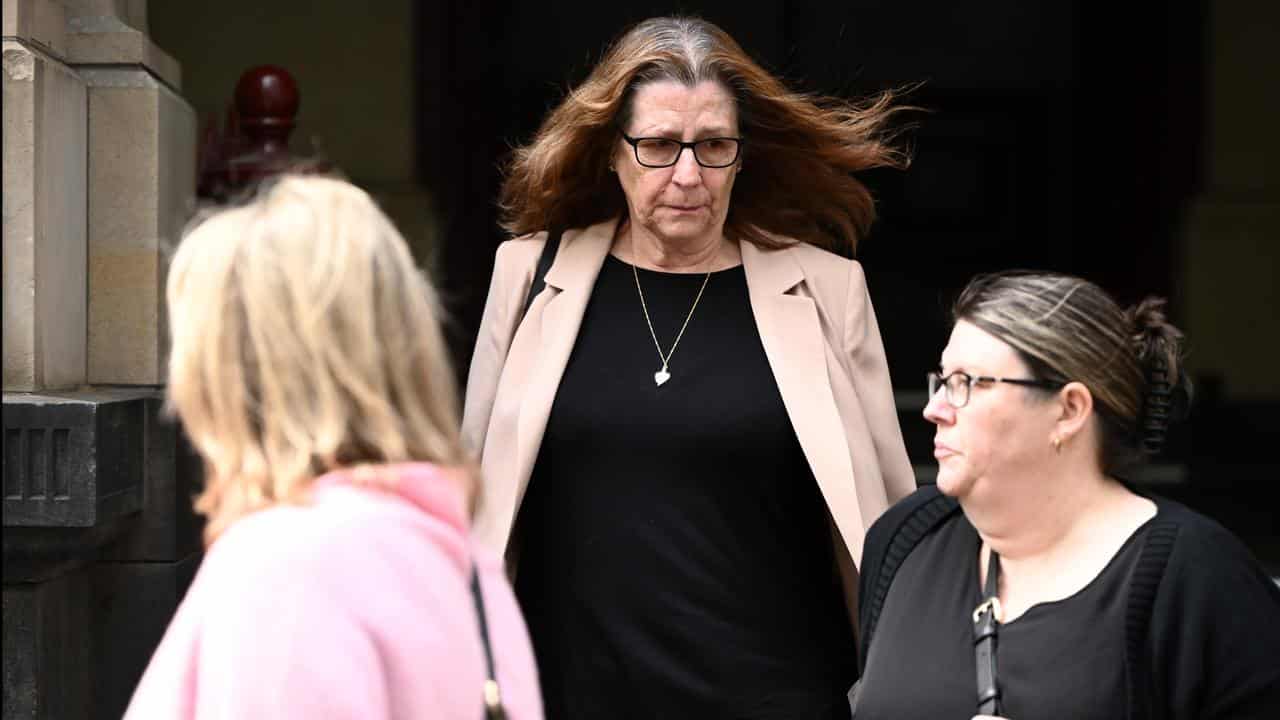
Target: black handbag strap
(547,257)
(986,627)
(493,709)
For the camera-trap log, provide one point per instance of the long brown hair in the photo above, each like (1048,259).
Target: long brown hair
(800,149)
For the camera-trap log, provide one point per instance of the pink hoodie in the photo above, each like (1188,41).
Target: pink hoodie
(357,605)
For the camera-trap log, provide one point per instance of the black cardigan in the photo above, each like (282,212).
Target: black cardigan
(1203,619)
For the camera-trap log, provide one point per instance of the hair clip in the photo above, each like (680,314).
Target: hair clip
(1156,407)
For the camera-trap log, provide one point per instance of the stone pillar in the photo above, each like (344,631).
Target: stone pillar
(100,540)
(45,626)
(141,149)
(142,139)
(45,136)
(114,32)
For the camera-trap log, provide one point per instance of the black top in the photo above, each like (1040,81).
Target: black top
(926,631)
(1206,647)
(675,557)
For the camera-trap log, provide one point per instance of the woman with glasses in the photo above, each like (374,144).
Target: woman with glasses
(1034,581)
(686,423)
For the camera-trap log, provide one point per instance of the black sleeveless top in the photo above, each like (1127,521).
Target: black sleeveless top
(1060,659)
(675,556)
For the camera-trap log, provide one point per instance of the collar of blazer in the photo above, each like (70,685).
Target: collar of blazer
(801,355)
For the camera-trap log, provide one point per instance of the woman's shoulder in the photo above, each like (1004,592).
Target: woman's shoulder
(1206,558)
(355,561)
(350,591)
(819,261)
(351,532)
(915,515)
(837,283)
(926,498)
(1213,617)
(522,250)
(891,538)
(1196,534)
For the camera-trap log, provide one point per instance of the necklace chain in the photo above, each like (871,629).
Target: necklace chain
(667,357)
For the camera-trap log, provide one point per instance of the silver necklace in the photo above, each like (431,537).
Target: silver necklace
(663,375)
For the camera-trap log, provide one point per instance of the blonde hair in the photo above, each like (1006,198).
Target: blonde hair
(1068,329)
(801,148)
(304,339)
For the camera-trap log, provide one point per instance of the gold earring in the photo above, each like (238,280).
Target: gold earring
(1057,443)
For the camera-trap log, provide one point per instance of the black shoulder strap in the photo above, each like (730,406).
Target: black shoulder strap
(915,518)
(1141,603)
(986,640)
(547,257)
(493,708)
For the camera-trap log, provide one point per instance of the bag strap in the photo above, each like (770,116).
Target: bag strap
(545,260)
(493,709)
(986,628)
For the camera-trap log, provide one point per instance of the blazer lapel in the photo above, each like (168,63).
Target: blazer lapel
(796,348)
(571,277)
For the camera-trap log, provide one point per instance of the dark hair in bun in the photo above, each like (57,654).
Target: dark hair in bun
(1158,346)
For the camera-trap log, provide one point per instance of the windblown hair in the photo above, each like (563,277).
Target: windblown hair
(801,149)
(1067,329)
(304,340)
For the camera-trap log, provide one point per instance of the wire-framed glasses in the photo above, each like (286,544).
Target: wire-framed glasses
(959,384)
(714,152)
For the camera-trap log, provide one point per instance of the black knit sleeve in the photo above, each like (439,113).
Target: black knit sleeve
(883,542)
(1215,628)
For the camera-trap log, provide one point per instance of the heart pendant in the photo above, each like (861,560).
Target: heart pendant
(661,376)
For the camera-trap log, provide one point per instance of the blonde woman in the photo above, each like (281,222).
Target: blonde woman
(309,371)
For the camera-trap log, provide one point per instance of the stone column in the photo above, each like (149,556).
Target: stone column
(45,195)
(141,149)
(100,540)
(45,140)
(141,191)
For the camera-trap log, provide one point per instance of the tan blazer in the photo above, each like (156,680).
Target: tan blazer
(819,334)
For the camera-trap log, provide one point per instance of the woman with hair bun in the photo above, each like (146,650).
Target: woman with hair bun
(1033,581)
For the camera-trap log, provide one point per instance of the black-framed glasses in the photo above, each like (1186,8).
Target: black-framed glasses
(959,384)
(714,152)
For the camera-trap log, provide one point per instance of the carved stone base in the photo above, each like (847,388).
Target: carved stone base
(46,653)
(100,544)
